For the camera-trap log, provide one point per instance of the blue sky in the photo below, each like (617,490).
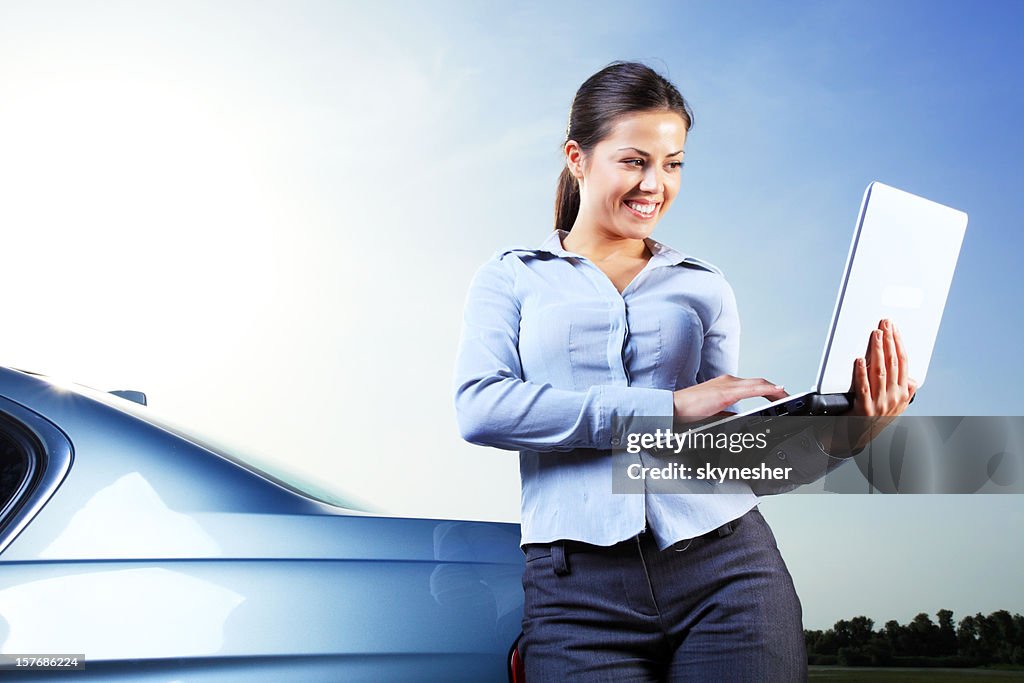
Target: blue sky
(266,216)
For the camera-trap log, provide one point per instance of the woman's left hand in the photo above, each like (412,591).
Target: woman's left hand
(882,390)
(882,386)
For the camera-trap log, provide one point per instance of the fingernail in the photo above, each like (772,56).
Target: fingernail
(779,387)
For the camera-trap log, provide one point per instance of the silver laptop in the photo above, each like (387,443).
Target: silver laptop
(900,266)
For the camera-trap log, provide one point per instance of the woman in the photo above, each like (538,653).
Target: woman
(602,322)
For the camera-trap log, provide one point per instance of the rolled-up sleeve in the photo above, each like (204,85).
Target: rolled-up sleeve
(496,407)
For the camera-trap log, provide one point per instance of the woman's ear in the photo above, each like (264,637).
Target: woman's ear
(574,158)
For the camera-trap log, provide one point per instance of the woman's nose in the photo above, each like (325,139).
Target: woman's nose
(652,180)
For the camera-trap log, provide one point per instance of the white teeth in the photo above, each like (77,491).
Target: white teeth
(642,208)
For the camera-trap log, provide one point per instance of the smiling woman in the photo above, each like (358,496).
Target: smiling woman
(602,322)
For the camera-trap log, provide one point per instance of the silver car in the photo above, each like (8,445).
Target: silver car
(154,555)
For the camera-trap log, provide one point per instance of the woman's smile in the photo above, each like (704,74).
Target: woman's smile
(643,210)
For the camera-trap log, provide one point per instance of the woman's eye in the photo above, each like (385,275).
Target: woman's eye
(634,162)
(676,165)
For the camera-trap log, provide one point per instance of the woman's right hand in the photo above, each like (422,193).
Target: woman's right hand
(709,398)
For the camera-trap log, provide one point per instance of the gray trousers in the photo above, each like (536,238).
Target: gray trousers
(722,609)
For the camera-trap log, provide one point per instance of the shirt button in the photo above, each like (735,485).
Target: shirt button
(781,455)
(616,441)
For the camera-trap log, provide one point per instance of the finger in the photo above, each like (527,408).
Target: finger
(876,366)
(855,378)
(892,361)
(771,390)
(750,388)
(901,353)
(912,386)
(869,350)
(862,387)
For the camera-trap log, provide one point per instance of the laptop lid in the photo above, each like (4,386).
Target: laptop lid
(900,266)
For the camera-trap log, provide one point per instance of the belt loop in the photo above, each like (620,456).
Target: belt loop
(725,529)
(558,559)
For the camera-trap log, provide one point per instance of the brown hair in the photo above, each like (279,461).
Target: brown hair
(618,89)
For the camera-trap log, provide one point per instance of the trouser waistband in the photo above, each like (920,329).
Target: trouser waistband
(560,550)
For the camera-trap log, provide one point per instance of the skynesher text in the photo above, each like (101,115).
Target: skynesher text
(708,472)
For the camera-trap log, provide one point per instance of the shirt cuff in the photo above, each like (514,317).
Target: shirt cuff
(634,410)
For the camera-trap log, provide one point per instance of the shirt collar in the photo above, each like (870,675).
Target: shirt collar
(664,254)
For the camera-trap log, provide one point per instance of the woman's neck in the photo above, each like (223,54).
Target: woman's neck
(599,245)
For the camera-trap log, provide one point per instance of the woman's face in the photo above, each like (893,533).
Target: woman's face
(630,178)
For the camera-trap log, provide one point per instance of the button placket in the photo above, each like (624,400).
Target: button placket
(617,341)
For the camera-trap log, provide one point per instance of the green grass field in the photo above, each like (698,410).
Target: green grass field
(827,674)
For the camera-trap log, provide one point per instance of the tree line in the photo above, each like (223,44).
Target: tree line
(976,641)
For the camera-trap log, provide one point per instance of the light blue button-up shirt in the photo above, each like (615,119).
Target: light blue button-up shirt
(551,353)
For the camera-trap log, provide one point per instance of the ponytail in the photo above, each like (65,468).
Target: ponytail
(567,201)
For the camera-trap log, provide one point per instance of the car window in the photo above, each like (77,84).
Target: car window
(14,468)
(35,457)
